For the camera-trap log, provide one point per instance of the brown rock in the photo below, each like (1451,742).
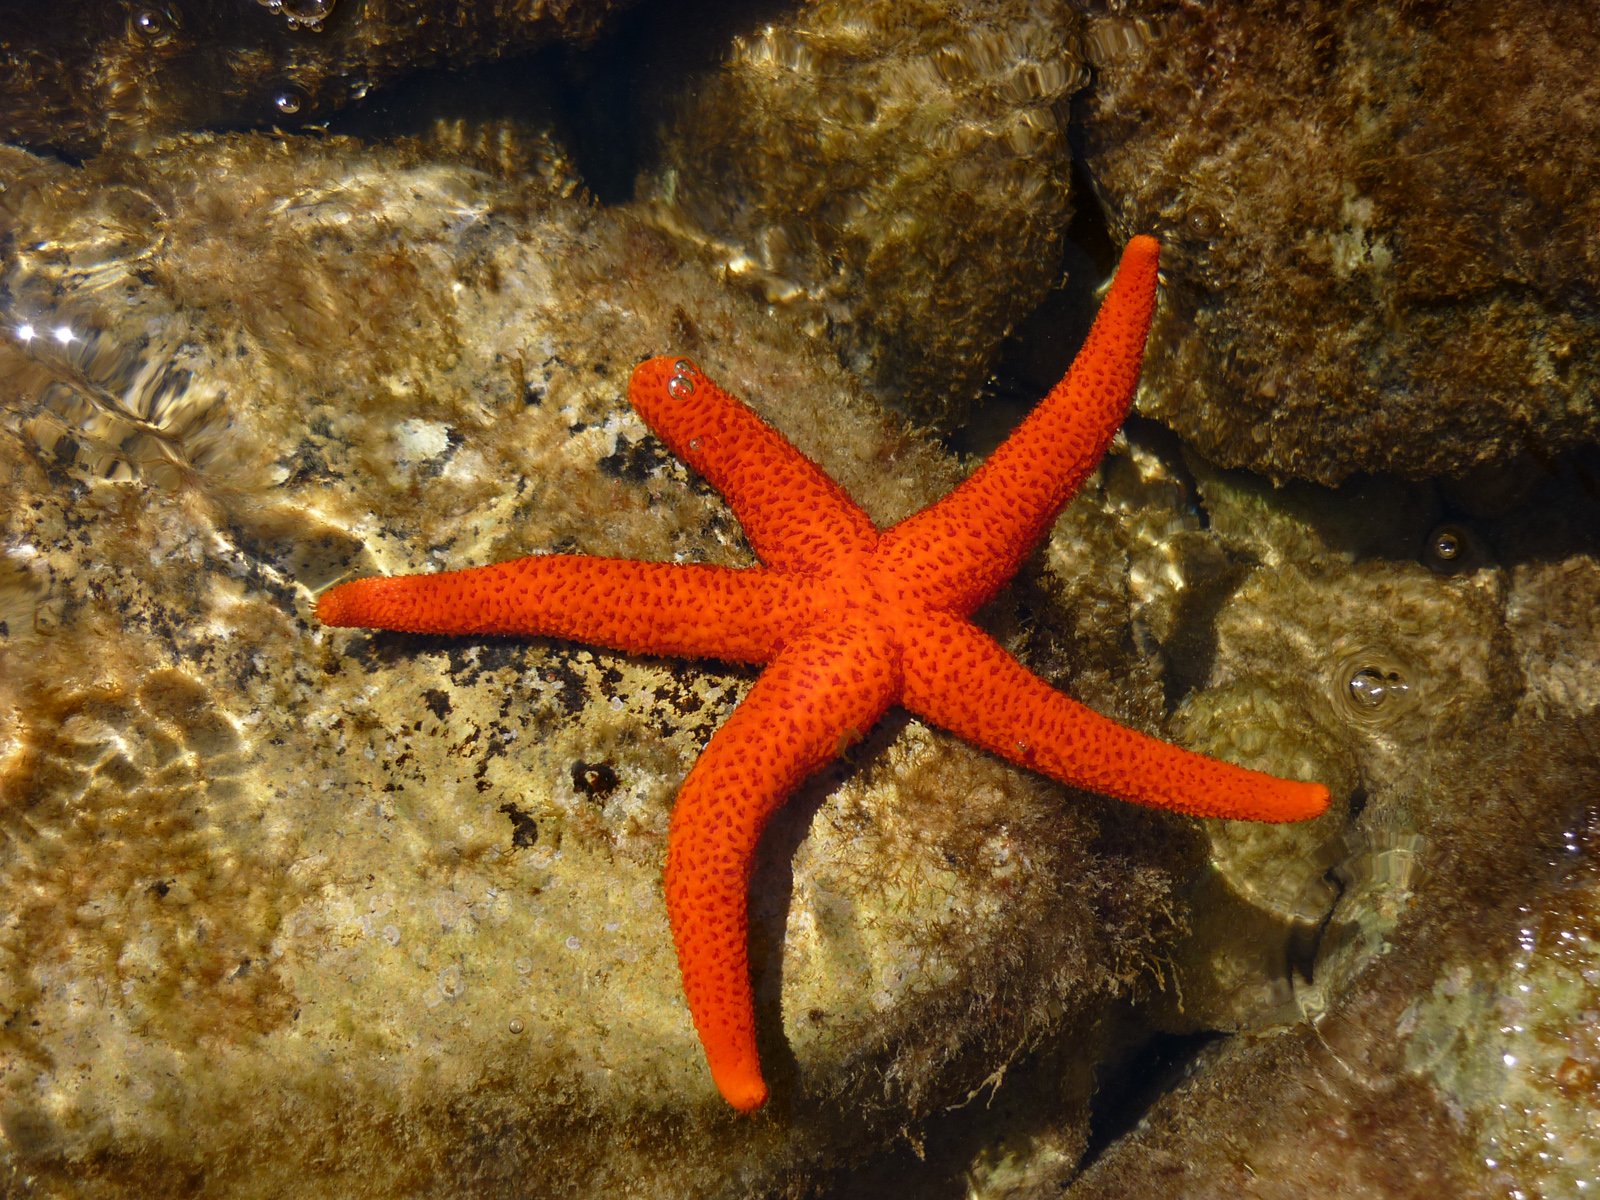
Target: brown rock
(1380,244)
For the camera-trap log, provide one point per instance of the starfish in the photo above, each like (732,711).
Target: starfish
(848,620)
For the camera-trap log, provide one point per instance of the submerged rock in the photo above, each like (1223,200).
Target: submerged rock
(1461,1056)
(893,174)
(96,76)
(382,913)
(376,914)
(1379,245)
(1414,976)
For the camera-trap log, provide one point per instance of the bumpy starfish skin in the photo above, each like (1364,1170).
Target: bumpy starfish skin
(849,621)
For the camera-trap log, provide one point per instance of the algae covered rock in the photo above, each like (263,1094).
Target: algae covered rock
(378,914)
(894,174)
(1460,1057)
(1418,987)
(1379,238)
(1410,980)
(96,75)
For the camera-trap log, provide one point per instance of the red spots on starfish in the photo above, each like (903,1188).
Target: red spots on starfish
(791,723)
(849,622)
(793,515)
(689,610)
(1010,711)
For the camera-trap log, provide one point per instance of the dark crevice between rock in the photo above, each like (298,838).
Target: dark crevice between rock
(1131,1090)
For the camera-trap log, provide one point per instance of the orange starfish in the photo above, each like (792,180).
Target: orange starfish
(849,620)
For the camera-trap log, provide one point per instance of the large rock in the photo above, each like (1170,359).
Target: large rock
(1414,977)
(894,174)
(374,914)
(96,75)
(1380,241)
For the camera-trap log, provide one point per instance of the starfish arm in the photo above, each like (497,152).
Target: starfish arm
(691,610)
(959,678)
(958,551)
(792,513)
(820,693)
